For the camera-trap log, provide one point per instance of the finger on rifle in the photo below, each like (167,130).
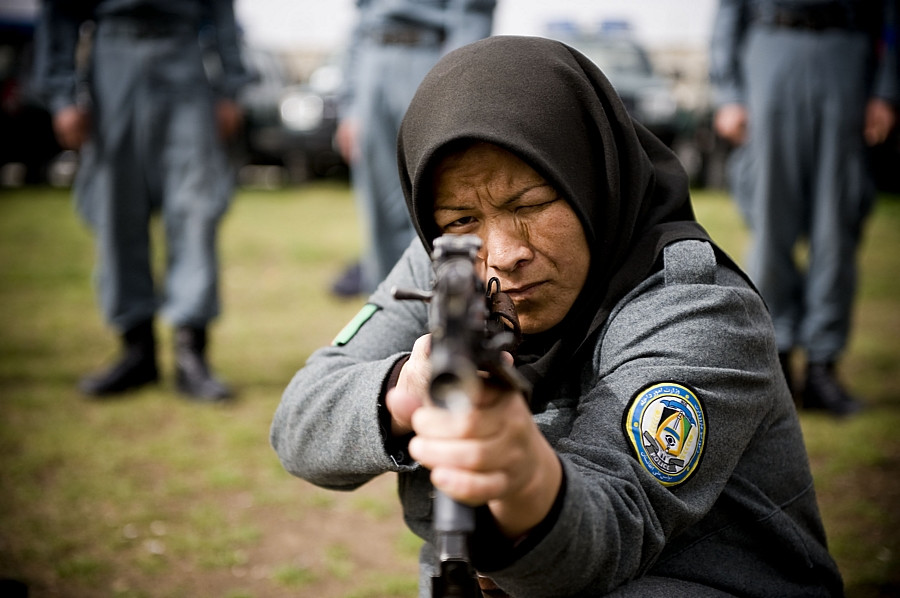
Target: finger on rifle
(468,487)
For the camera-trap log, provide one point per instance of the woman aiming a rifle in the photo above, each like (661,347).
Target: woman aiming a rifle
(656,451)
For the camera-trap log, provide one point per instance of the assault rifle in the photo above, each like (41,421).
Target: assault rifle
(470,327)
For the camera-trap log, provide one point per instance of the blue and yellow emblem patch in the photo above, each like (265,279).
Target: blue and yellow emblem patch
(667,428)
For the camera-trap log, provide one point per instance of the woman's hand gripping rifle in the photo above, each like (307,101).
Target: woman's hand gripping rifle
(471,327)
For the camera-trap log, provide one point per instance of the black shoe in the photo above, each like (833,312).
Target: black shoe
(135,368)
(824,392)
(193,377)
(350,284)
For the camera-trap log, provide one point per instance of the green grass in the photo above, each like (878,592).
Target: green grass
(151,496)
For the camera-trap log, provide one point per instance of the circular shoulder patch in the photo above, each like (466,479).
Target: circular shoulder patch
(667,428)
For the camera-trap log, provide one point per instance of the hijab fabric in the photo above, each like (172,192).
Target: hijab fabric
(552,107)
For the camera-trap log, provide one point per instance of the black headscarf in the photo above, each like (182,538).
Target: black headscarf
(553,108)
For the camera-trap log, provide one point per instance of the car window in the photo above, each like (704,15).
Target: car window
(613,58)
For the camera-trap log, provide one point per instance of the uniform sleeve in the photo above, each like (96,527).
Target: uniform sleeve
(712,338)
(728,31)
(56,38)
(350,63)
(886,84)
(228,48)
(327,429)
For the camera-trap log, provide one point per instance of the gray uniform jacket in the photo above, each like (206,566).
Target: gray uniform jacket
(453,23)
(56,73)
(744,520)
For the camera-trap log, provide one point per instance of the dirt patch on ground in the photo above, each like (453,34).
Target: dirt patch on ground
(325,544)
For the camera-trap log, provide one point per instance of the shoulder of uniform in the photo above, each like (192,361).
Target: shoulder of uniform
(689,262)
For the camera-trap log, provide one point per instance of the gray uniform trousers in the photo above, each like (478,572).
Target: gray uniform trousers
(388,76)
(803,175)
(394,45)
(154,145)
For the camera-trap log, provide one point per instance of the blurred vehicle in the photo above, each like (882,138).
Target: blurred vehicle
(648,95)
(27,143)
(291,124)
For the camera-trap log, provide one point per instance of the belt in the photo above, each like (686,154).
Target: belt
(145,28)
(408,36)
(813,18)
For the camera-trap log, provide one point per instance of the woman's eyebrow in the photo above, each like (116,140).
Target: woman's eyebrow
(511,199)
(439,207)
(518,195)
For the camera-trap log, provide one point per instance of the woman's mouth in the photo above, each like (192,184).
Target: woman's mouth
(522,291)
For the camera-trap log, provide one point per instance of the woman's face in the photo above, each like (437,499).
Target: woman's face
(532,241)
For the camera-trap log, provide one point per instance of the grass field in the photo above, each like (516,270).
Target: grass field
(151,496)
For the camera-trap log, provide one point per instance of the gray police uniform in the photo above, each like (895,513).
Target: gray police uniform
(804,70)
(729,509)
(154,144)
(393,46)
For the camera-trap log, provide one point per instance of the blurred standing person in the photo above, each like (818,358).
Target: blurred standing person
(392,47)
(152,129)
(804,87)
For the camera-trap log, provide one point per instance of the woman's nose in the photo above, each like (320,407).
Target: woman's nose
(504,247)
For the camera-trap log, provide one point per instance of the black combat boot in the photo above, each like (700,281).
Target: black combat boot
(135,368)
(823,391)
(192,375)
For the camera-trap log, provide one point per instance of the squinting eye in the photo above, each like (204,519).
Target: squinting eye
(537,206)
(459,223)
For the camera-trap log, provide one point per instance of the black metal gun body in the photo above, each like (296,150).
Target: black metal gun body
(470,328)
